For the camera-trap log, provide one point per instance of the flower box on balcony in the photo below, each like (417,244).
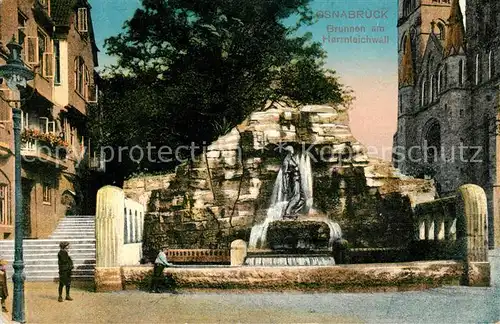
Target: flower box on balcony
(54,143)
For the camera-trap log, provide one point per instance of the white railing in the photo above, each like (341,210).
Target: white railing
(119,228)
(437,220)
(133,221)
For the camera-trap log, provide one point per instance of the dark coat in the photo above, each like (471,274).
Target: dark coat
(3,284)
(64,261)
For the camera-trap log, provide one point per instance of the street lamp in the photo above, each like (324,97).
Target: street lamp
(16,74)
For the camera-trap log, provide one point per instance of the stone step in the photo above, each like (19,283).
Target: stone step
(73,227)
(53,251)
(50,247)
(79,216)
(76,222)
(54,278)
(73,235)
(65,237)
(52,263)
(46,241)
(74,230)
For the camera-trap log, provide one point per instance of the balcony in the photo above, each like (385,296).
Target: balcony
(41,147)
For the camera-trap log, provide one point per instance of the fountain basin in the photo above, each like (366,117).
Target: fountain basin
(295,235)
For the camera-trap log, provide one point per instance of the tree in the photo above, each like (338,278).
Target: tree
(190,70)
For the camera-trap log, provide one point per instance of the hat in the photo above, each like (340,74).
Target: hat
(62,245)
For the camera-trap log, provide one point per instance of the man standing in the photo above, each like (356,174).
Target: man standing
(65,268)
(160,264)
(4,293)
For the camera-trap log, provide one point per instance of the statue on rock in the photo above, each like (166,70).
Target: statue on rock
(292,186)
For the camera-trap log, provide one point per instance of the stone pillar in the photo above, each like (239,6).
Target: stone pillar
(472,234)
(109,222)
(238,253)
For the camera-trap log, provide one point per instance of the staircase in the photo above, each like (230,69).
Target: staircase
(40,256)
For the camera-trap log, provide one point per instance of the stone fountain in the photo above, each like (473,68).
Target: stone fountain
(247,186)
(294,232)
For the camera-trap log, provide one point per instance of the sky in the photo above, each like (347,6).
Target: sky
(369,68)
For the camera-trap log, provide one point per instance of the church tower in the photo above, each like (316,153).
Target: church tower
(417,19)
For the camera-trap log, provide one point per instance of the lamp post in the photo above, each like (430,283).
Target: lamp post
(16,74)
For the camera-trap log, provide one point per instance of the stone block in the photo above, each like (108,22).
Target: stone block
(317,109)
(326,118)
(478,274)
(231,161)
(199,184)
(238,253)
(213,154)
(108,279)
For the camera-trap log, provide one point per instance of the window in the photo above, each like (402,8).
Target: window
(21,29)
(57,62)
(47,126)
(82,78)
(403,43)
(478,75)
(82,20)
(406,8)
(79,74)
(400,105)
(491,65)
(439,80)
(445,75)
(431,88)
(24,120)
(42,46)
(47,193)
(44,54)
(86,84)
(422,94)
(5,218)
(461,72)
(442,31)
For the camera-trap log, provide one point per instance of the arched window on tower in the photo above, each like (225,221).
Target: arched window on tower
(432,142)
(439,80)
(431,88)
(477,69)
(402,45)
(461,72)
(445,76)
(491,65)
(422,93)
(442,31)
(400,105)
(406,8)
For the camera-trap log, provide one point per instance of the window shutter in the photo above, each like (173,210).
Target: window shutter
(32,50)
(24,120)
(44,127)
(24,56)
(51,127)
(48,65)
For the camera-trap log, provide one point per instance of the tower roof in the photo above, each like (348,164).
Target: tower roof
(455,40)
(406,76)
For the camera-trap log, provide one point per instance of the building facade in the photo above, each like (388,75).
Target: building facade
(59,47)
(448,101)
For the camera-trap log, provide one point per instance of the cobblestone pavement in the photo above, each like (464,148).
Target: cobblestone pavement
(441,305)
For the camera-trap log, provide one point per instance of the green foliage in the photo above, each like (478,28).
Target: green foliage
(189,71)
